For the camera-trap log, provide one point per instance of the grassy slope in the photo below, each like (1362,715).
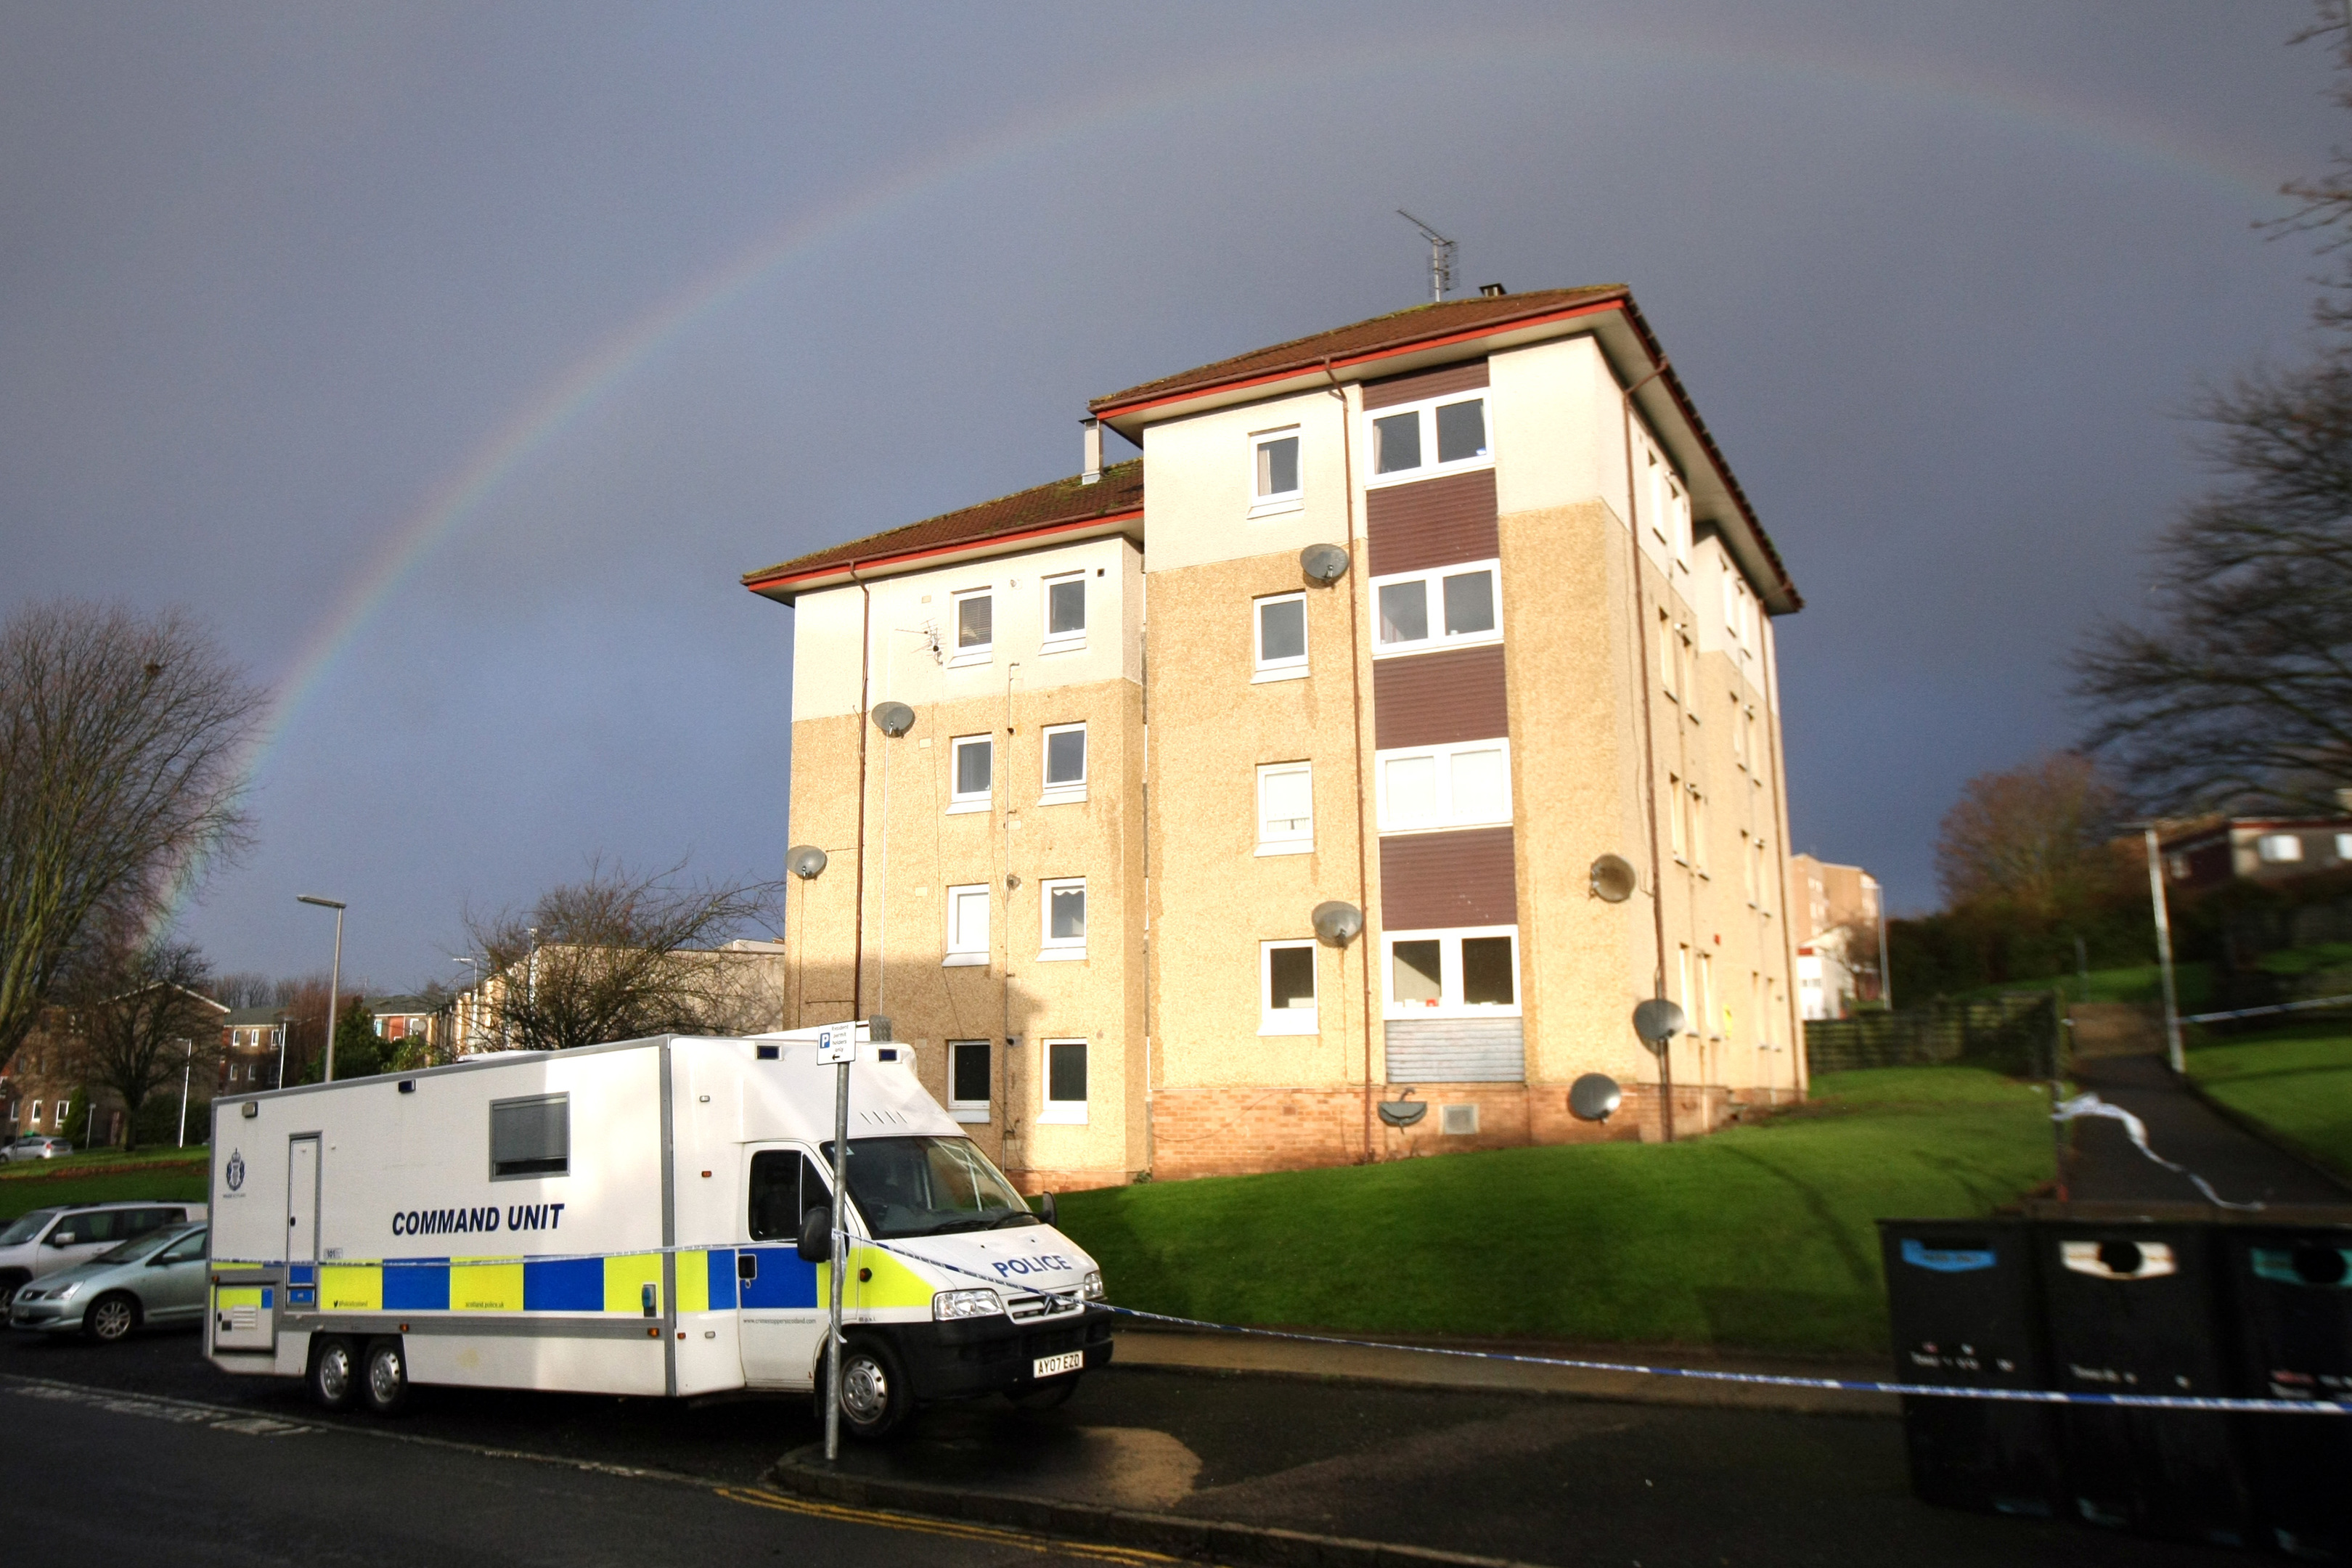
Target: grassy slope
(2296,1081)
(1757,1237)
(41,1187)
(2139,983)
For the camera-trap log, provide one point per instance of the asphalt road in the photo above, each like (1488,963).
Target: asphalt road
(146,1452)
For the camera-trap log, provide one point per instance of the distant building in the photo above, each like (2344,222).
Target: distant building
(252,1047)
(400,1017)
(1834,913)
(2259,849)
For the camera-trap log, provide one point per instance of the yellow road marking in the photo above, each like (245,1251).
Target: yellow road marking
(988,1534)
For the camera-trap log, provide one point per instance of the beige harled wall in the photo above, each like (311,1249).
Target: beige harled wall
(1202,473)
(917,850)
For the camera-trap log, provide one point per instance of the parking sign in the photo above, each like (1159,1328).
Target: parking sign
(835,1045)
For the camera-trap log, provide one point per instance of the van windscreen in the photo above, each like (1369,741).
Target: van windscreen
(928,1186)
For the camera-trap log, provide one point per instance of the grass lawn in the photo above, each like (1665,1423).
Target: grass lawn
(2296,1081)
(84,1160)
(2135,983)
(1758,1237)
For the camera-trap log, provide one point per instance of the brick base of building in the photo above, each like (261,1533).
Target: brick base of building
(1242,1130)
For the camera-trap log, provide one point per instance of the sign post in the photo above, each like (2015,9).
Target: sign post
(837,1046)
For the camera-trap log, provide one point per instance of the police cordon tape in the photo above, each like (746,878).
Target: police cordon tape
(2089,1104)
(1701,1374)
(2266,1012)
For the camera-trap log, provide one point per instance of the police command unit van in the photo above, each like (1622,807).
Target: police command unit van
(646,1218)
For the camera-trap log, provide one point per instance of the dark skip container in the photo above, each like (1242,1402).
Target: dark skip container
(2293,1285)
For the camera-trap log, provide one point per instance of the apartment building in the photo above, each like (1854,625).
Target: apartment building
(1835,915)
(1454,620)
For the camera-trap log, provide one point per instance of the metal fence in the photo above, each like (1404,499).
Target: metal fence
(2010,1033)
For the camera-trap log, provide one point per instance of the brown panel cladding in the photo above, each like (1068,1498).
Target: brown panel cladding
(1435,523)
(1423,384)
(1436,699)
(1433,879)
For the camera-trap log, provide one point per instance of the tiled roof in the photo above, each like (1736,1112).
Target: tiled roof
(1062,503)
(1381,334)
(266,1013)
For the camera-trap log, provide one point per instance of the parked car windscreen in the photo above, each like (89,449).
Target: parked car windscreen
(137,1248)
(27,1227)
(928,1186)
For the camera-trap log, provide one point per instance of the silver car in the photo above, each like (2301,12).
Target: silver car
(153,1280)
(42,1241)
(34,1146)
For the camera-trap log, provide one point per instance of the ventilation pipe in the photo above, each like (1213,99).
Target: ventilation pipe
(1093,429)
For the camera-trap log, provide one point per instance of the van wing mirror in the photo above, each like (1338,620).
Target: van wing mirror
(816,1235)
(1048,1210)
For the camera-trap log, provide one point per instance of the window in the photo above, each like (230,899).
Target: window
(2344,846)
(1065,612)
(1677,836)
(1066,1082)
(1747,868)
(2279,848)
(1467,785)
(1683,989)
(1470,973)
(1285,808)
(1707,1023)
(1285,972)
(975,627)
(967,926)
(969,1079)
(530,1137)
(2179,864)
(1065,764)
(785,1184)
(1063,904)
(1697,831)
(971,770)
(1426,440)
(1275,456)
(1666,660)
(33,1117)
(1280,630)
(1454,606)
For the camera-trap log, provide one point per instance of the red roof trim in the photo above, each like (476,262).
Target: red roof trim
(1369,357)
(849,568)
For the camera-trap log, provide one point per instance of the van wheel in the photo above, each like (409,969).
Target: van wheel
(385,1385)
(1050,1395)
(334,1375)
(110,1318)
(875,1397)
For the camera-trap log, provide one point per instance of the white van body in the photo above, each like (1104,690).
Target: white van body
(627,1251)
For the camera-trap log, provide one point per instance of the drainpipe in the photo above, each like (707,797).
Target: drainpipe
(1641,651)
(1356,713)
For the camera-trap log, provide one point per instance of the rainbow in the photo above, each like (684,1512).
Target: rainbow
(2150,143)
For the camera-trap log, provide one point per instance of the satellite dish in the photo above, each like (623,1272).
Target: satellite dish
(804,861)
(1594,1097)
(1337,922)
(1323,564)
(893,719)
(1657,1021)
(1613,881)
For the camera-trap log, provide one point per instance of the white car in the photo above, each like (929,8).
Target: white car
(49,1239)
(34,1146)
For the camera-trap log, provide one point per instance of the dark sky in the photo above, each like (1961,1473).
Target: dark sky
(454,361)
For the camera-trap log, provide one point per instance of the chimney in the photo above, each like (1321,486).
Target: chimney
(1093,429)
(1492,291)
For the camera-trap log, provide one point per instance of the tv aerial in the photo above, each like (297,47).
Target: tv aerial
(1441,257)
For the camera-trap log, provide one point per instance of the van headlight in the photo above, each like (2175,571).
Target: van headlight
(952,1306)
(1090,1288)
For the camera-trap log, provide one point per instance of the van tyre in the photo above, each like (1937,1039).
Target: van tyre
(384,1381)
(110,1318)
(334,1375)
(875,1397)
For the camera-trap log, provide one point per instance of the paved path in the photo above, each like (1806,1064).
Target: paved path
(2186,1130)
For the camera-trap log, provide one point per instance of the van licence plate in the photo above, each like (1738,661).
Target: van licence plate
(1054,1366)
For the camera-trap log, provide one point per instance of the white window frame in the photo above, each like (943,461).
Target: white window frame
(965,955)
(1064,792)
(1050,948)
(1051,1112)
(1288,840)
(1447,819)
(1433,582)
(1273,502)
(2344,846)
(969,1110)
(2289,847)
(979,800)
(1426,408)
(1449,961)
(982,653)
(1050,640)
(1263,669)
(1273,1020)
(1698,831)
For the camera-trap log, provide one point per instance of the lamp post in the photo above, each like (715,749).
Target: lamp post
(187,1070)
(334,977)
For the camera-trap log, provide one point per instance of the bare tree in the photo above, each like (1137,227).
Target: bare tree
(142,1019)
(2033,840)
(618,955)
(120,745)
(244,988)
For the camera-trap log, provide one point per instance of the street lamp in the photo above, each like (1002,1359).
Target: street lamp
(334,977)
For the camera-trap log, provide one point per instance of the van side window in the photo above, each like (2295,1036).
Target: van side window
(783,1187)
(530,1137)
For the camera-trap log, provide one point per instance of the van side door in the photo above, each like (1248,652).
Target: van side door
(781,1319)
